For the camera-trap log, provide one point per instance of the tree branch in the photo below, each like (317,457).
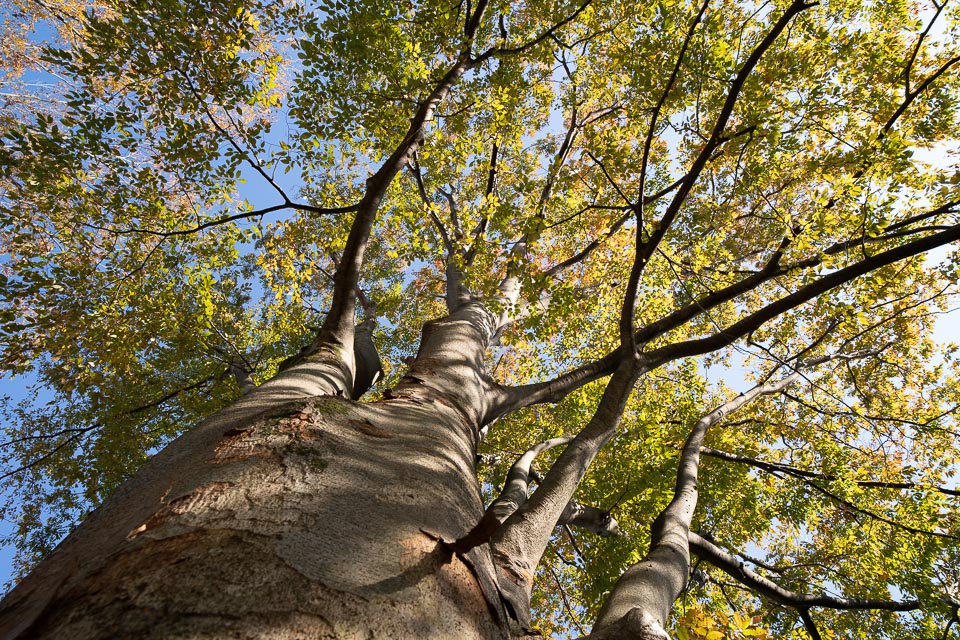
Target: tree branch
(518,544)
(641,252)
(708,551)
(646,249)
(590,519)
(804,294)
(646,592)
(908,68)
(778,467)
(865,512)
(549,33)
(514,494)
(245,215)
(554,390)
(338,326)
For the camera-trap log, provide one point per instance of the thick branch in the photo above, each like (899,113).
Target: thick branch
(514,494)
(338,325)
(590,519)
(519,543)
(554,390)
(242,377)
(804,294)
(645,593)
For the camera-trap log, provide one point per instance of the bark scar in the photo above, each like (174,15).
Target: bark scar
(369,429)
(181,505)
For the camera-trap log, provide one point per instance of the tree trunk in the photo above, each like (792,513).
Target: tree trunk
(289,515)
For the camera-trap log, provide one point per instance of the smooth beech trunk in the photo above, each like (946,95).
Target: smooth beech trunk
(293,515)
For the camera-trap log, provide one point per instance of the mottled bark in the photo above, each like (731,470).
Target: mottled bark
(291,516)
(311,521)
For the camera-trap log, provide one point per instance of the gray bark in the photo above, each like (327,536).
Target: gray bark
(303,523)
(515,493)
(369,368)
(518,545)
(242,377)
(590,519)
(290,515)
(644,595)
(516,486)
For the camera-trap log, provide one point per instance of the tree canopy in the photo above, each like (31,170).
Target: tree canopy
(703,199)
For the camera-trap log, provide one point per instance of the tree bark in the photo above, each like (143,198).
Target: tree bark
(518,545)
(293,515)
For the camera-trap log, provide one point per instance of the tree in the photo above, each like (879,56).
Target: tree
(546,224)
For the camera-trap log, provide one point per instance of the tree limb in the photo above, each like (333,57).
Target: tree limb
(642,252)
(708,551)
(514,494)
(645,249)
(804,294)
(645,593)
(244,215)
(338,326)
(519,543)
(547,34)
(778,467)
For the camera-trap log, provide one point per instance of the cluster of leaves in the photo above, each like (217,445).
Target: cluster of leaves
(696,625)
